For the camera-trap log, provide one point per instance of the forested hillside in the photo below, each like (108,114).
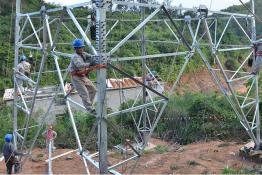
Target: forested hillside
(7,14)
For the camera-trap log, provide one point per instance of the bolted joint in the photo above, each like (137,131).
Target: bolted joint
(214,50)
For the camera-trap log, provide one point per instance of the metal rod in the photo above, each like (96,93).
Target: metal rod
(44,58)
(178,31)
(38,30)
(35,33)
(148,56)
(50,172)
(242,28)
(70,112)
(114,25)
(223,32)
(133,32)
(171,30)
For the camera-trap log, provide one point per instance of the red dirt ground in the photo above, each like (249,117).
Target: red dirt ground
(207,157)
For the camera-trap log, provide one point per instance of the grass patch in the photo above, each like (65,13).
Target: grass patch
(173,167)
(160,149)
(223,145)
(193,163)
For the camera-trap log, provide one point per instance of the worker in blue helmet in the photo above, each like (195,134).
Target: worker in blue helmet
(22,74)
(151,78)
(81,64)
(9,153)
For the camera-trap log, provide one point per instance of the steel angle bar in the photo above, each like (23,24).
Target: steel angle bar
(123,162)
(234,49)
(231,71)
(135,108)
(223,33)
(137,81)
(177,29)
(242,29)
(82,32)
(38,30)
(215,42)
(58,29)
(23,28)
(195,34)
(143,23)
(49,31)
(151,99)
(235,105)
(69,30)
(248,104)
(35,33)
(208,33)
(251,134)
(56,53)
(50,158)
(49,71)
(148,56)
(22,108)
(29,47)
(75,103)
(171,30)
(31,14)
(90,160)
(22,97)
(28,127)
(248,92)
(70,112)
(257,105)
(247,77)
(201,37)
(254,119)
(24,76)
(36,88)
(240,114)
(61,155)
(240,67)
(19,135)
(114,25)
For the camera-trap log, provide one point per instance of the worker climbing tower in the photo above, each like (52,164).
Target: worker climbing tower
(44,31)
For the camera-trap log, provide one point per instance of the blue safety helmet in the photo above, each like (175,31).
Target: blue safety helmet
(8,137)
(78,43)
(22,57)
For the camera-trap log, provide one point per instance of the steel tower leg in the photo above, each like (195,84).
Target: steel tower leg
(101,84)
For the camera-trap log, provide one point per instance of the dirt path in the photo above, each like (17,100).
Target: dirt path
(206,157)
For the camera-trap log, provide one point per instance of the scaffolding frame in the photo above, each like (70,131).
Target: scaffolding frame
(242,105)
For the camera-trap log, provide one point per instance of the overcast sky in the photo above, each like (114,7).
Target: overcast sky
(216,4)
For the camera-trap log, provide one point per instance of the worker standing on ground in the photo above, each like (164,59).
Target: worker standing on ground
(81,64)
(258,57)
(10,153)
(50,135)
(22,73)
